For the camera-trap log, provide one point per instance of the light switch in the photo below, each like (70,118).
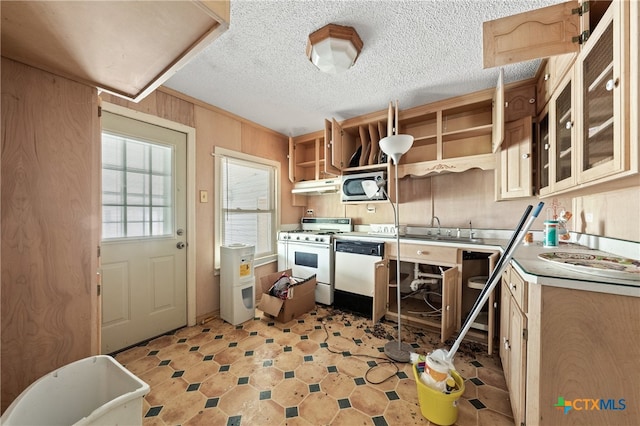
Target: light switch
(204,196)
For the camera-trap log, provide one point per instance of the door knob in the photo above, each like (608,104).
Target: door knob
(180,245)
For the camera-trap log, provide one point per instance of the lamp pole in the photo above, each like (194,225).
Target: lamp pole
(395,146)
(399,352)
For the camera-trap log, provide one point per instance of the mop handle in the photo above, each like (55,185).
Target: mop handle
(495,277)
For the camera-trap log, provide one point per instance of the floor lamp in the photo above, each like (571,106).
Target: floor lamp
(394,146)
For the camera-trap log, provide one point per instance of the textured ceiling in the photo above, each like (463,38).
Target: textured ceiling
(415,51)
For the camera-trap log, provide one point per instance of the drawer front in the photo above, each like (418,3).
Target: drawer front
(519,290)
(421,253)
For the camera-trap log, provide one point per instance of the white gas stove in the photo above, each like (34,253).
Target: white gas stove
(309,251)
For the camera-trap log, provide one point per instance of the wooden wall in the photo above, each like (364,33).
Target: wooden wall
(50,224)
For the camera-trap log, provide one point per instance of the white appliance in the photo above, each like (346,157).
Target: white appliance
(355,274)
(317,187)
(352,190)
(237,283)
(309,251)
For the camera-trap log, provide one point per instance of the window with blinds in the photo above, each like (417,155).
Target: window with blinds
(248,206)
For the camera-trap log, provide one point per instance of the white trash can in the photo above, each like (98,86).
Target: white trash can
(92,391)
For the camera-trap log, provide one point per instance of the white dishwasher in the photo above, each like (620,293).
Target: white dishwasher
(354,274)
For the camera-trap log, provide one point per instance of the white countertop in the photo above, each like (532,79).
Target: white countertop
(526,261)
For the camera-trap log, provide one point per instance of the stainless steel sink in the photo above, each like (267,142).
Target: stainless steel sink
(444,238)
(431,234)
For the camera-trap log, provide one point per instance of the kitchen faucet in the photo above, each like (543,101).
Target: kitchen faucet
(438,219)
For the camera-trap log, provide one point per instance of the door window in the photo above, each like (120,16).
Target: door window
(137,188)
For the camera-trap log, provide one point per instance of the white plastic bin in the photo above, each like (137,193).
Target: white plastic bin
(92,391)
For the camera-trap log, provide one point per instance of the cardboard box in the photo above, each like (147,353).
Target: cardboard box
(302,301)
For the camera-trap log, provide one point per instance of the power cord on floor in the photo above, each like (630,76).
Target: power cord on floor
(379,364)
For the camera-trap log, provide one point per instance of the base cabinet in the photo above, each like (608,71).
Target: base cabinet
(435,305)
(513,342)
(579,352)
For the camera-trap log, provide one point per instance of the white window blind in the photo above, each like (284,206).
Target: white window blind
(248,206)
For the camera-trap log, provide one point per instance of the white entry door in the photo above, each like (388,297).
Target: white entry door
(144,261)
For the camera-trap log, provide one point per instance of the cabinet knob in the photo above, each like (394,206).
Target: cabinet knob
(525,156)
(512,286)
(611,84)
(420,253)
(546,146)
(507,346)
(568,125)
(547,77)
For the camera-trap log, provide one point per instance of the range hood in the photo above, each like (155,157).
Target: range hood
(317,187)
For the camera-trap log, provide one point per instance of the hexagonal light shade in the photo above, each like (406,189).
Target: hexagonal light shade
(334,48)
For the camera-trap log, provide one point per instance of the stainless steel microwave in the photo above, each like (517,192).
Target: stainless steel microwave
(352,190)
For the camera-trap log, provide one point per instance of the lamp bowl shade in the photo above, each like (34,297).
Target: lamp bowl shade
(396,145)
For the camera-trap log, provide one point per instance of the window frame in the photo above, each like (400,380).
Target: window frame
(219,155)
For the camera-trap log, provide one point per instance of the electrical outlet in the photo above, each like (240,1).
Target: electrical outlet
(588,217)
(309,212)
(204,196)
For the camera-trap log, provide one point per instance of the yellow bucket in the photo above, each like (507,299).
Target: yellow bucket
(436,406)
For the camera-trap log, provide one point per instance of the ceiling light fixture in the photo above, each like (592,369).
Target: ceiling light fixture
(334,48)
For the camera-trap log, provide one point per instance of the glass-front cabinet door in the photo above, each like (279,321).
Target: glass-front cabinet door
(543,148)
(602,70)
(563,131)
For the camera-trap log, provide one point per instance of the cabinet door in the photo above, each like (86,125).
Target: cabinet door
(331,150)
(497,118)
(292,161)
(449,303)
(380,293)
(563,175)
(520,102)
(543,148)
(603,79)
(515,164)
(509,40)
(505,316)
(517,363)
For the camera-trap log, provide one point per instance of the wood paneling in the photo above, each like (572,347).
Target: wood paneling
(75,39)
(50,217)
(590,349)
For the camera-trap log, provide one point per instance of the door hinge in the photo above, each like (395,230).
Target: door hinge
(99,289)
(582,38)
(99,250)
(525,334)
(582,9)
(99,111)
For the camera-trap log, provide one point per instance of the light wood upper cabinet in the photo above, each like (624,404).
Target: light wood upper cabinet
(603,97)
(453,135)
(530,35)
(498,113)
(520,102)
(329,148)
(516,160)
(161,37)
